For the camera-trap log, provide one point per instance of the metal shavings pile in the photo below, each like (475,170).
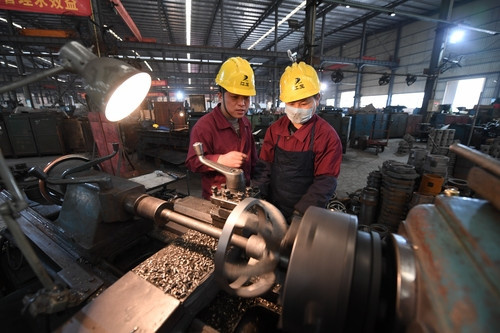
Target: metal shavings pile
(181,266)
(226,311)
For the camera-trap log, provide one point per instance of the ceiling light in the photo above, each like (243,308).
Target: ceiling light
(384,79)
(337,76)
(392,14)
(456,36)
(14,24)
(410,79)
(188,32)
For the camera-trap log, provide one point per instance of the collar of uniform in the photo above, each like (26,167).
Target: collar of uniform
(302,133)
(222,121)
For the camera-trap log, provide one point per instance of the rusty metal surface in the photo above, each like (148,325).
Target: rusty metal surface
(485,184)
(458,257)
(130,305)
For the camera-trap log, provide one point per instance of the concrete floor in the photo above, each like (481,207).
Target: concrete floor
(356,165)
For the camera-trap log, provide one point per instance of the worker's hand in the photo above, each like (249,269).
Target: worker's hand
(295,216)
(233,159)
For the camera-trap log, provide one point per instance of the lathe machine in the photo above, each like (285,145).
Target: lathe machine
(113,258)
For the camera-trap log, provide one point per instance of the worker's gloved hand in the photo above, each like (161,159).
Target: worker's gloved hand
(296,216)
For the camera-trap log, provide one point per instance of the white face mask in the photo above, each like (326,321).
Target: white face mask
(299,115)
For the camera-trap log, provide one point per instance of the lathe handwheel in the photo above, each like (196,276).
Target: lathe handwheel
(55,193)
(251,274)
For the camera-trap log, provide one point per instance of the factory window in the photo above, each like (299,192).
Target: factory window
(411,100)
(330,102)
(378,101)
(347,99)
(463,93)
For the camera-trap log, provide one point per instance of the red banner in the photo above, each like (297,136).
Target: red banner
(159,83)
(61,7)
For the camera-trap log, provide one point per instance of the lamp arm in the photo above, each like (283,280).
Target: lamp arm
(10,183)
(8,212)
(32,79)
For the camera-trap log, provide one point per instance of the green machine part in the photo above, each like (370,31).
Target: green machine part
(457,249)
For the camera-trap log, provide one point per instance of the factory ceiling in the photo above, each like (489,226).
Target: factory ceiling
(185,44)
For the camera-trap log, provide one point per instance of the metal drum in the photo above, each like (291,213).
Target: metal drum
(369,206)
(335,277)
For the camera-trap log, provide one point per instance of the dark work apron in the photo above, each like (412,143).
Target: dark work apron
(292,173)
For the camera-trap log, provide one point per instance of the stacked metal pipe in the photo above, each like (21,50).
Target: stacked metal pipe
(398,183)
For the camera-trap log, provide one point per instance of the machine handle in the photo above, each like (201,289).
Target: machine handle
(104,182)
(235,178)
(89,164)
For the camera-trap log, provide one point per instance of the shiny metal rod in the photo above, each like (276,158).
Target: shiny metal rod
(155,209)
(207,229)
(32,78)
(8,212)
(10,183)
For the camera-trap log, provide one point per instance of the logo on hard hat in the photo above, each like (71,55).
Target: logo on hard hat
(298,84)
(244,82)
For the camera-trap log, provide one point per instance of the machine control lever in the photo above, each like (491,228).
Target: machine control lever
(89,164)
(104,182)
(235,178)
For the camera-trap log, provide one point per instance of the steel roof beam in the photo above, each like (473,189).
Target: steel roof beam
(159,47)
(388,9)
(261,19)
(212,21)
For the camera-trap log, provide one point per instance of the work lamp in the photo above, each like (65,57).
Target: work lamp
(113,87)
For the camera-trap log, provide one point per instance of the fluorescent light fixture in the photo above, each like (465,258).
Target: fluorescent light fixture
(147,64)
(44,60)
(285,19)
(115,35)
(10,65)
(188,22)
(456,36)
(14,24)
(188,33)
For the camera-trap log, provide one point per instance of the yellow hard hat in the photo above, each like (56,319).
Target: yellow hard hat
(236,76)
(299,81)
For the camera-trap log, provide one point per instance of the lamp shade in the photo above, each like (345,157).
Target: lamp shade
(113,87)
